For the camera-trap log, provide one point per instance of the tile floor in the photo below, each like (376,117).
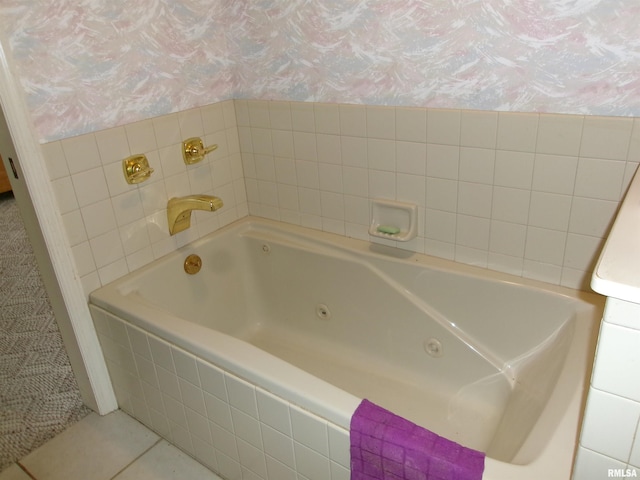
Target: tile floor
(112,447)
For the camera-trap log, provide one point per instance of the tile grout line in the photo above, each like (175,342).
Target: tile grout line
(160,439)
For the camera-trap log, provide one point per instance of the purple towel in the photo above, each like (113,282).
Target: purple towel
(385,446)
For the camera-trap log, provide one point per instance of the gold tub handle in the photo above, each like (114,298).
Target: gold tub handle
(192,264)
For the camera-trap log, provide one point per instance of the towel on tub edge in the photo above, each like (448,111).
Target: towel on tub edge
(385,446)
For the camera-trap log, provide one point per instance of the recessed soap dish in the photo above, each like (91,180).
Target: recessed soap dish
(394,220)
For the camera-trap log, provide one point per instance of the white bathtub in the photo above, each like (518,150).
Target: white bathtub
(318,321)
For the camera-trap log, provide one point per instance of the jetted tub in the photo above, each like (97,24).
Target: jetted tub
(494,362)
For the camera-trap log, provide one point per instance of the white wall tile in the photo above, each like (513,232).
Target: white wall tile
(473,232)
(618,362)
(517,131)
(478,129)
(623,313)
(411,157)
(411,188)
(310,463)
(591,465)
(591,216)
(327,118)
(411,124)
(106,248)
(310,430)
(242,395)
(83,257)
(559,134)
(113,145)
(353,120)
(511,205)
(247,428)
(98,218)
(381,122)
(190,122)
(90,186)
(55,160)
(74,226)
(303,117)
(167,130)
(546,246)
(554,173)
(475,199)
(330,177)
(273,412)
(508,238)
(329,149)
(443,126)
(81,153)
(513,169)
(354,151)
(339,445)
(192,397)
(606,137)
(259,113)
(381,154)
(212,118)
(634,458)
(218,411)
(355,181)
(610,425)
(442,161)
(544,272)
(598,178)
(262,142)
(442,194)
(307,173)
(549,210)
(582,252)
(382,184)
(141,136)
(276,469)
(477,165)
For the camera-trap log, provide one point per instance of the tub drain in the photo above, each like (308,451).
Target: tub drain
(322,311)
(433,347)
(266,248)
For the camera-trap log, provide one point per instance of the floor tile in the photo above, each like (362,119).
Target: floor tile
(166,462)
(96,448)
(14,472)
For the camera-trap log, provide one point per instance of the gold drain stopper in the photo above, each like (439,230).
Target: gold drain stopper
(192,264)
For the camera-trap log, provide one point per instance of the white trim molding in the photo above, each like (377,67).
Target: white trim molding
(72,312)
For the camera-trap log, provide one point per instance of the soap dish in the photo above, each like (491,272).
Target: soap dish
(393,220)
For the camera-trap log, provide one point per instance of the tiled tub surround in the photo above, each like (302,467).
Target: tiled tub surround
(113,227)
(236,429)
(262,318)
(528,194)
(610,436)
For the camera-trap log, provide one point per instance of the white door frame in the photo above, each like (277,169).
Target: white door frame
(56,263)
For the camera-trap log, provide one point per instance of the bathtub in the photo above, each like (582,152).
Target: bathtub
(306,323)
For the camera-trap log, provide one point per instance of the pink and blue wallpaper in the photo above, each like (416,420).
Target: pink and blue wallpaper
(92,64)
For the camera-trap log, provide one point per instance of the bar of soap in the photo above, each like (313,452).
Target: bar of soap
(388,229)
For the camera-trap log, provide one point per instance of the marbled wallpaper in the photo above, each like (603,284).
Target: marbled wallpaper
(90,64)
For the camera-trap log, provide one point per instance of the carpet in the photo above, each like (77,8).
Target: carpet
(39,397)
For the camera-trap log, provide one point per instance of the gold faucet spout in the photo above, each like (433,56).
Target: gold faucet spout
(179,210)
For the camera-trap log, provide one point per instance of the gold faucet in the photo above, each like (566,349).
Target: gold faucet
(179,210)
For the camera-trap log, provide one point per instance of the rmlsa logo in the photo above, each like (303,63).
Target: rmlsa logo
(622,473)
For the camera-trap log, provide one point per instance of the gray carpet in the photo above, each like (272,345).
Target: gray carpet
(39,396)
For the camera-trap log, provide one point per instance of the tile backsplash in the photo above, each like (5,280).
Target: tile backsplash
(528,194)
(525,193)
(114,227)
